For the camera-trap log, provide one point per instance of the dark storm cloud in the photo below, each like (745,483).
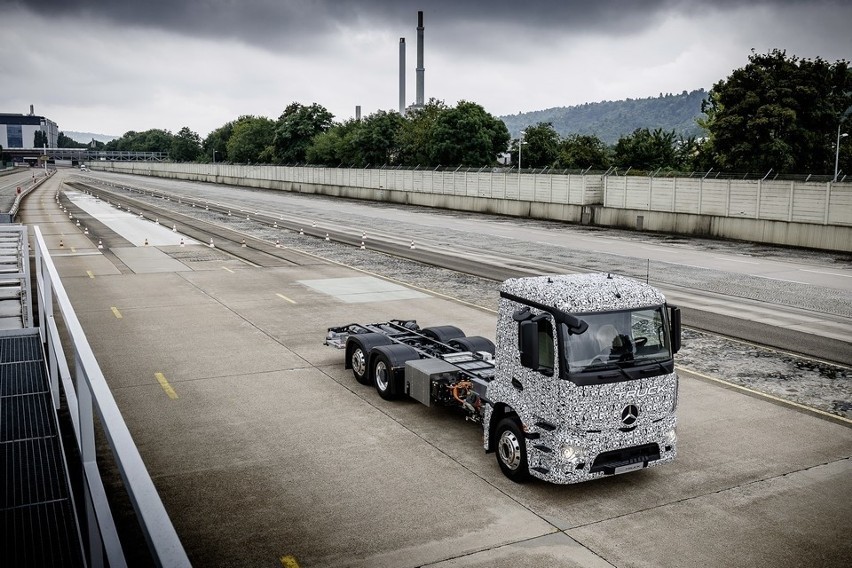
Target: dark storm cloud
(291,23)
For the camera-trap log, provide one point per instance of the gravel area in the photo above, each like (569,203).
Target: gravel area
(822,386)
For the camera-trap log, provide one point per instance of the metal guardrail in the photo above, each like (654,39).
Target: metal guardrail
(87,393)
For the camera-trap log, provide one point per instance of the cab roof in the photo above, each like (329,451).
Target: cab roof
(584,293)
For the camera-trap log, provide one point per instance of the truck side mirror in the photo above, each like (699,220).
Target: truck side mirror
(528,344)
(674,321)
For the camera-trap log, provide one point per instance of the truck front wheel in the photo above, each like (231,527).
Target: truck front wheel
(512,450)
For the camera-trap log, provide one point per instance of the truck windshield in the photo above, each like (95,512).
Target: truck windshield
(615,340)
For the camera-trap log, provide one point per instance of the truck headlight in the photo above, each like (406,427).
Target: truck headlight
(671,437)
(572,453)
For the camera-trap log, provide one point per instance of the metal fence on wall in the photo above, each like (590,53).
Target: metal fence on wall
(770,200)
(823,203)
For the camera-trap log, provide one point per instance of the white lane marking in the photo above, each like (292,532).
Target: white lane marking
(826,272)
(735,260)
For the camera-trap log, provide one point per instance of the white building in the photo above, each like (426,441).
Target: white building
(18,130)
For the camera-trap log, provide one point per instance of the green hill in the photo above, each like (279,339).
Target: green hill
(610,120)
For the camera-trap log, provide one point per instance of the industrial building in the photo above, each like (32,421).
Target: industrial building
(18,130)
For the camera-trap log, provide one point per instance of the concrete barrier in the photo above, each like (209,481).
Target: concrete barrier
(801,214)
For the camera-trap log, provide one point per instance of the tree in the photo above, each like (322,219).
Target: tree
(296,128)
(336,146)
(217,141)
(186,145)
(541,146)
(416,136)
(39,139)
(377,139)
(646,150)
(579,151)
(251,139)
(467,136)
(154,140)
(778,113)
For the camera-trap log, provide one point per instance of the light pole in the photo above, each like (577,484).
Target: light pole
(837,151)
(214,156)
(520,145)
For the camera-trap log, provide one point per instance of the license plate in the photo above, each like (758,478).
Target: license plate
(630,467)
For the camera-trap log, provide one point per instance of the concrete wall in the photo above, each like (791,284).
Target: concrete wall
(812,215)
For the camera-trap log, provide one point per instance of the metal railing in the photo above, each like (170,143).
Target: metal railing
(86,393)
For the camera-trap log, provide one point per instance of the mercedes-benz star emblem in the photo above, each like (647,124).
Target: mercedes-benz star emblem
(630,414)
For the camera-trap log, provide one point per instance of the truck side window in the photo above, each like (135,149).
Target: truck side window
(545,346)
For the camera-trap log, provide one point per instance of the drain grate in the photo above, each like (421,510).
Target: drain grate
(38,526)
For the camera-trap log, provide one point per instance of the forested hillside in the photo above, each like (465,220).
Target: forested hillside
(610,120)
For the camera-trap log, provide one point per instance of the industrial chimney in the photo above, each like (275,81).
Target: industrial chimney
(402,76)
(420,69)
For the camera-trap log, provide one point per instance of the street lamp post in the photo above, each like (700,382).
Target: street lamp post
(837,151)
(520,146)
(214,156)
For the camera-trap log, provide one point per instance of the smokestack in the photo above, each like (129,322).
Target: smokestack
(32,111)
(402,75)
(357,112)
(420,69)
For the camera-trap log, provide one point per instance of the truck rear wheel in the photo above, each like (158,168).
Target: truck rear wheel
(442,333)
(383,377)
(358,349)
(474,344)
(512,450)
(358,359)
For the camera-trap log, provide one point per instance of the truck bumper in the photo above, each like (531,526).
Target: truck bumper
(562,457)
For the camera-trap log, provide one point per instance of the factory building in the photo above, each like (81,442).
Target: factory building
(18,130)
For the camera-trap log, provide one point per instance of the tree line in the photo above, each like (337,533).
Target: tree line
(778,113)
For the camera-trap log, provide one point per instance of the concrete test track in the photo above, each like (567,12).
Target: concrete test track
(265,449)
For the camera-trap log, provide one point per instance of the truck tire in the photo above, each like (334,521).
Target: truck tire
(442,333)
(358,351)
(383,377)
(512,450)
(385,364)
(474,343)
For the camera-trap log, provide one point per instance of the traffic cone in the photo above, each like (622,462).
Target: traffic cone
(181,242)
(364,235)
(277,243)
(362,245)
(275,225)
(244,243)
(61,244)
(157,221)
(146,242)
(78,222)
(174,228)
(301,232)
(100,244)
(248,218)
(85,230)
(412,245)
(326,237)
(314,224)
(211,245)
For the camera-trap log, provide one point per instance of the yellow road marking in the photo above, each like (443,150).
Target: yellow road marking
(228,269)
(289,561)
(166,386)
(89,272)
(283,297)
(116,312)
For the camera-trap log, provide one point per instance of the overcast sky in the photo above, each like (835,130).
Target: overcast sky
(109,66)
